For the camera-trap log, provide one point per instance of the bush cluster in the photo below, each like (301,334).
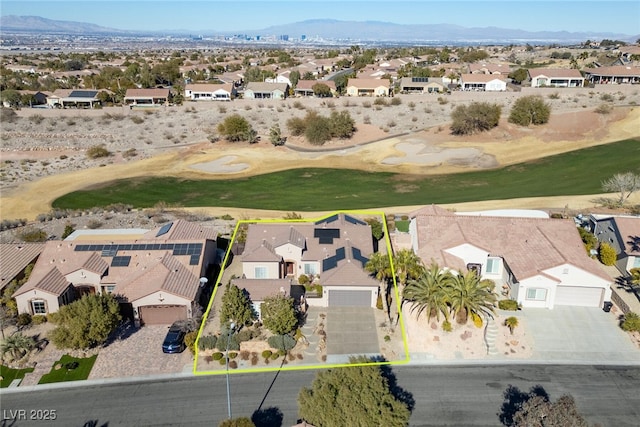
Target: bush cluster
(475,117)
(282,342)
(319,129)
(606,254)
(98,151)
(508,304)
(207,342)
(530,110)
(631,322)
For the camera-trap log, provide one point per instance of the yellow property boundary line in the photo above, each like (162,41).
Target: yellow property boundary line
(405,360)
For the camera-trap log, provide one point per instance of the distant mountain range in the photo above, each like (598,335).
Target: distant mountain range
(330,29)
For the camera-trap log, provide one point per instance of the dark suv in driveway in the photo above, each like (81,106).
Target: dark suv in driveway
(174,341)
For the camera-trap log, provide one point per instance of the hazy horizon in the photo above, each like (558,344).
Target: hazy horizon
(619,17)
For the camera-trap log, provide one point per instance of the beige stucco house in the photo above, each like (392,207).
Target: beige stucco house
(555,77)
(369,87)
(155,275)
(210,92)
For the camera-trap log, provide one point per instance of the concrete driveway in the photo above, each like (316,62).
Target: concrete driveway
(578,334)
(351,331)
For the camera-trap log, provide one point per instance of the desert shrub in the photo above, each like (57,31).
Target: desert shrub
(207,342)
(235,128)
(32,234)
(267,354)
(298,105)
(446,326)
(217,355)
(233,355)
(131,152)
(631,322)
(396,101)
(39,319)
(530,110)
(98,151)
(366,104)
(442,101)
(221,343)
(24,319)
(296,126)
(254,359)
(303,279)
(93,224)
(607,97)
(8,115)
(366,120)
(379,305)
(282,342)
(223,361)
(588,238)
(554,95)
(274,356)
(53,317)
(475,117)
(508,304)
(245,355)
(233,364)
(318,129)
(604,109)
(190,341)
(387,338)
(380,101)
(342,125)
(137,119)
(36,118)
(606,254)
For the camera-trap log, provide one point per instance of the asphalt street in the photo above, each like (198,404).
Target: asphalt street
(444,396)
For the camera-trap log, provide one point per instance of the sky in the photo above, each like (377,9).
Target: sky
(621,17)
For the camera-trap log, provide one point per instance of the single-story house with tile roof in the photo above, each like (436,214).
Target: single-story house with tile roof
(369,87)
(555,77)
(484,68)
(623,234)
(156,277)
(305,87)
(536,261)
(261,90)
(332,252)
(14,259)
(147,97)
(483,82)
(620,74)
(422,85)
(78,98)
(210,92)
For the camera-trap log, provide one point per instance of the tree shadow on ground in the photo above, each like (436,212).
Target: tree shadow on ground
(398,392)
(269,417)
(514,398)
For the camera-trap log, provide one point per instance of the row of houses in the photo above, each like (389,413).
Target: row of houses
(161,275)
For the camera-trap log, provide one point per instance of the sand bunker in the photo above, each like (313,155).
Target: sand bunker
(221,165)
(421,152)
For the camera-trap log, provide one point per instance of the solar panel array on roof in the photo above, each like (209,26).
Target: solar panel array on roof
(357,255)
(328,220)
(192,249)
(420,79)
(164,229)
(109,251)
(326,235)
(83,94)
(353,220)
(120,261)
(332,261)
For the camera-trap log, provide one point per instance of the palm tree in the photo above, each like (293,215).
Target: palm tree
(428,292)
(17,345)
(407,265)
(469,296)
(380,266)
(511,323)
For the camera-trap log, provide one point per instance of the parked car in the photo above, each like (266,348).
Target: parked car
(174,341)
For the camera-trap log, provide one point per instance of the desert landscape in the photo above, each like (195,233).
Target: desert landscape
(44,156)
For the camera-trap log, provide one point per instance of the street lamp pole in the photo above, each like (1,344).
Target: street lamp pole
(231,327)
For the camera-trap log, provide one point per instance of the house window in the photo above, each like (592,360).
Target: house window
(310,269)
(38,307)
(493,266)
(636,262)
(109,289)
(536,294)
(261,272)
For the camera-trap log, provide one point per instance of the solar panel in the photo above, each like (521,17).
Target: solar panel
(353,220)
(194,260)
(329,263)
(125,247)
(357,255)
(327,234)
(164,229)
(83,94)
(81,248)
(420,79)
(328,220)
(340,254)
(109,250)
(120,261)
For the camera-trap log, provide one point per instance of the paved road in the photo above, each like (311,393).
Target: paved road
(444,396)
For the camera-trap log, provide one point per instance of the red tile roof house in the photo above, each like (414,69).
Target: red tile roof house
(623,234)
(147,97)
(555,77)
(210,92)
(535,261)
(155,275)
(616,74)
(369,87)
(483,82)
(489,69)
(332,251)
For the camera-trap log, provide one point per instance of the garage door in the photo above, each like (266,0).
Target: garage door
(343,298)
(575,295)
(162,314)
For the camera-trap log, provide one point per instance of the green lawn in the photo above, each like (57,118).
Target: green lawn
(8,375)
(81,372)
(574,173)
(403,226)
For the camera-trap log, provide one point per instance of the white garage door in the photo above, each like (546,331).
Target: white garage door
(344,298)
(575,295)
(162,314)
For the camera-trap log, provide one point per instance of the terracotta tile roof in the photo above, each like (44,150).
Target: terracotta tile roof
(528,245)
(480,78)
(52,281)
(430,210)
(555,72)
(264,252)
(181,230)
(368,83)
(629,229)
(147,93)
(14,257)
(490,68)
(615,70)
